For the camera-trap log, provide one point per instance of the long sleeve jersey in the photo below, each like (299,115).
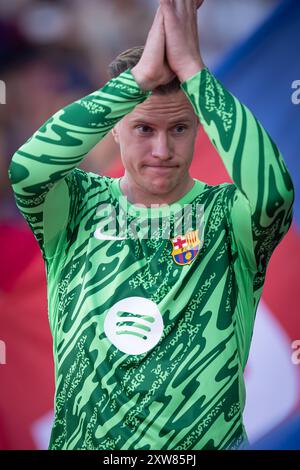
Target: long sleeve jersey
(151,335)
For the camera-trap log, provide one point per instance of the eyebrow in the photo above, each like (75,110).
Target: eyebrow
(148,122)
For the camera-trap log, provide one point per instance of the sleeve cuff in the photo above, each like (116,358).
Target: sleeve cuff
(187,84)
(131,80)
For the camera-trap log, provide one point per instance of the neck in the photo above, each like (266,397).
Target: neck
(139,195)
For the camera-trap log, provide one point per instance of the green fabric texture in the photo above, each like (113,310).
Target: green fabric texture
(171,377)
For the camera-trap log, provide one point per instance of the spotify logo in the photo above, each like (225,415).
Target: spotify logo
(134,325)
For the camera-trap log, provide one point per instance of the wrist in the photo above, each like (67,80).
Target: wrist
(142,82)
(191,69)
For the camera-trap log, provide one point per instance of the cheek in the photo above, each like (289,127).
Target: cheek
(133,152)
(185,150)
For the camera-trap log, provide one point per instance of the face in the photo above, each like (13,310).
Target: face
(157,144)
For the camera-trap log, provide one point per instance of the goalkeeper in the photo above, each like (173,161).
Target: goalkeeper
(152,332)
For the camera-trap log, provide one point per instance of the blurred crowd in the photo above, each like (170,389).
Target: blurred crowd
(56,51)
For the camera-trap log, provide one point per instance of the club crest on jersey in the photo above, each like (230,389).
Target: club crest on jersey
(186,247)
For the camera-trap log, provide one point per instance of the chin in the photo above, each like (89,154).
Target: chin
(160,188)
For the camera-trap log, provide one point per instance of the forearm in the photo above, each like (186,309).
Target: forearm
(59,145)
(251,158)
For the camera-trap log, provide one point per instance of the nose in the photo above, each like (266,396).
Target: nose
(161,147)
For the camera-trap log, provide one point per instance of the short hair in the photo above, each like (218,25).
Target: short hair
(129,59)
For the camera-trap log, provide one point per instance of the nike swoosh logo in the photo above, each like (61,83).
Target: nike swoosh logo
(102,236)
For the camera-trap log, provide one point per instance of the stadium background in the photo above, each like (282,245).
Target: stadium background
(53,52)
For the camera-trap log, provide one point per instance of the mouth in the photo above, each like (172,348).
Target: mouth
(162,167)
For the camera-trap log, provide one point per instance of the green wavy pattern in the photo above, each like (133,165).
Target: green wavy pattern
(187,392)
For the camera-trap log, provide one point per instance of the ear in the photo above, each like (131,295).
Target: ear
(115,133)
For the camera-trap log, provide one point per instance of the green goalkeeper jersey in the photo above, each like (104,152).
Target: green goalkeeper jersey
(152,322)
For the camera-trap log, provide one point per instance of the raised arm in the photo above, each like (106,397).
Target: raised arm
(47,192)
(261,199)
(264,186)
(42,164)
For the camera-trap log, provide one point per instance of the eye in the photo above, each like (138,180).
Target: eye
(144,129)
(180,128)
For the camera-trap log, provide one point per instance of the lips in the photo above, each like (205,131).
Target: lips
(161,170)
(162,166)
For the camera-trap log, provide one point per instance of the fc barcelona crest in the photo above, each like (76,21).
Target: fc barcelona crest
(186,247)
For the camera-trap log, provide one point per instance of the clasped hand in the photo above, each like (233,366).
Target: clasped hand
(172,46)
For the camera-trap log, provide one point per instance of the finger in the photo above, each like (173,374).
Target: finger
(180,7)
(191,12)
(157,27)
(157,19)
(186,11)
(199,3)
(184,7)
(169,12)
(155,43)
(192,6)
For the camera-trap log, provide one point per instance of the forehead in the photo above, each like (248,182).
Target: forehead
(170,107)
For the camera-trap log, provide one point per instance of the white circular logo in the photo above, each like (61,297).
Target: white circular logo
(134,325)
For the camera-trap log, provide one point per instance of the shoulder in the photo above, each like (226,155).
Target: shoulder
(225,197)
(222,190)
(88,180)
